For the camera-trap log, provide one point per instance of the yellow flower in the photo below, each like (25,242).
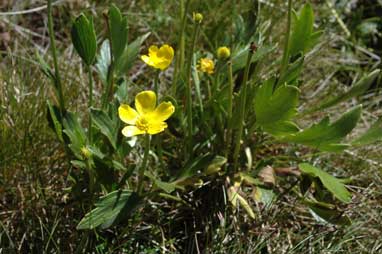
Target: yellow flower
(159,58)
(223,52)
(147,119)
(206,65)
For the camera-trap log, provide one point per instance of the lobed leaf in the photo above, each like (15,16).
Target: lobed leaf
(275,109)
(359,88)
(334,185)
(301,31)
(325,135)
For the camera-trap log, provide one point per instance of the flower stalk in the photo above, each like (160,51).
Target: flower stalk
(189,90)
(179,67)
(57,76)
(229,111)
(243,98)
(142,169)
(90,102)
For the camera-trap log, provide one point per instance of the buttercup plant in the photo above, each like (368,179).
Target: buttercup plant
(211,145)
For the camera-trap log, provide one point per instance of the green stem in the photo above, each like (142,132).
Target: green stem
(158,139)
(57,76)
(229,111)
(156,84)
(243,98)
(189,89)
(90,103)
(285,59)
(142,169)
(180,56)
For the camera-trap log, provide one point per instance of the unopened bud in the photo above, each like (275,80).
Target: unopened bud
(197,17)
(223,53)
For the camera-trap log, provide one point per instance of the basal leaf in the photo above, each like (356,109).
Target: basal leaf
(275,109)
(359,88)
(325,135)
(167,187)
(109,209)
(334,185)
(373,134)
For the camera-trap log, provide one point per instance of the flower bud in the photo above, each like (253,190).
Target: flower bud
(197,17)
(223,53)
(85,152)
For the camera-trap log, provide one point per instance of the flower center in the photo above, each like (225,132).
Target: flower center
(142,124)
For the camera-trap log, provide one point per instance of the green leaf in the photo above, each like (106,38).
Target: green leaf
(118,31)
(45,68)
(167,187)
(106,125)
(325,135)
(75,133)
(271,107)
(110,209)
(215,165)
(334,185)
(122,92)
(359,88)
(262,195)
(104,61)
(54,120)
(130,54)
(327,213)
(373,134)
(293,71)
(235,198)
(84,38)
(302,29)
(275,109)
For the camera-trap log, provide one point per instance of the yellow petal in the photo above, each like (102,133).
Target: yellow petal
(161,113)
(162,65)
(130,131)
(127,114)
(166,52)
(153,50)
(156,128)
(145,102)
(147,60)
